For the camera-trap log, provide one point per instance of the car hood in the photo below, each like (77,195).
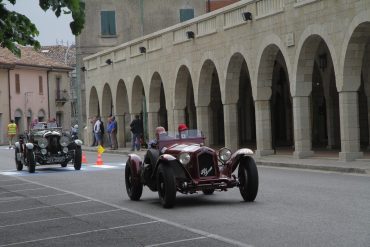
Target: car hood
(186,147)
(46,133)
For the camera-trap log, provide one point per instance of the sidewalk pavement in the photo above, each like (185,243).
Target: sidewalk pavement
(321,161)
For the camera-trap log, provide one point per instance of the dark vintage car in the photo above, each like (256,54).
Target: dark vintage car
(184,164)
(47,144)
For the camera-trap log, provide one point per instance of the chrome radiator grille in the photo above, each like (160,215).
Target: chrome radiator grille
(205,164)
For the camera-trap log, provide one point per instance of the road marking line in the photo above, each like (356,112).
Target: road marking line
(59,218)
(32,197)
(196,231)
(6,180)
(174,242)
(80,233)
(22,190)
(8,185)
(61,204)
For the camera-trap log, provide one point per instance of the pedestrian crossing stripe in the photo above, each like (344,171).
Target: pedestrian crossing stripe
(40,170)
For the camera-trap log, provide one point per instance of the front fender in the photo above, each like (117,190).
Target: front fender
(134,161)
(169,160)
(234,161)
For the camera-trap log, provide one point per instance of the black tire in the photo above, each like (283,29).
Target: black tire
(18,163)
(77,159)
(248,179)
(208,191)
(64,164)
(166,185)
(134,190)
(31,163)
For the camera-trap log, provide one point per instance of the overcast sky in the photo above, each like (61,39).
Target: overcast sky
(50,27)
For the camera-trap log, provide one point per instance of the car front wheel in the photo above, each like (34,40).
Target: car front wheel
(166,185)
(78,158)
(134,188)
(248,179)
(31,163)
(208,191)
(18,162)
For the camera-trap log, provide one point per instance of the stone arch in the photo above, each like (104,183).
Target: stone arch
(184,104)
(41,115)
(354,87)
(138,103)
(274,120)
(122,114)
(18,119)
(94,107)
(157,111)
(240,124)
(210,114)
(107,101)
(317,117)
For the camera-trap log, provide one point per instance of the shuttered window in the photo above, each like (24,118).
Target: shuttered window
(41,89)
(108,22)
(17,84)
(186,14)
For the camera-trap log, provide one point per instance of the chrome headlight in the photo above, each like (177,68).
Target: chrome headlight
(184,158)
(65,150)
(44,151)
(43,142)
(64,141)
(224,154)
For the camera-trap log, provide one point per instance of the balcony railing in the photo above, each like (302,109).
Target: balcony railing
(61,96)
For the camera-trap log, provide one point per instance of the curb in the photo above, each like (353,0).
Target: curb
(353,170)
(316,167)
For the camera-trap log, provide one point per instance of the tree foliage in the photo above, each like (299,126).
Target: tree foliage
(16,28)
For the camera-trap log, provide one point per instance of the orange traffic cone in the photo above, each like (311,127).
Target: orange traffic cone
(84,161)
(99,161)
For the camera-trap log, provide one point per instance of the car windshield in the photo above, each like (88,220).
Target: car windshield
(186,134)
(43,125)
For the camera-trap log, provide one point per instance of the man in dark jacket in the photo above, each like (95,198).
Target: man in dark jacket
(137,131)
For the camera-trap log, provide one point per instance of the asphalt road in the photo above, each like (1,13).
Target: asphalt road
(59,207)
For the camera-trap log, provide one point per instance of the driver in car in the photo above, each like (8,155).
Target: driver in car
(182,130)
(160,133)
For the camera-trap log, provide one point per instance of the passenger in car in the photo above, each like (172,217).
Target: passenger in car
(182,130)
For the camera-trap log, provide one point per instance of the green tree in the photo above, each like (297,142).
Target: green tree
(16,28)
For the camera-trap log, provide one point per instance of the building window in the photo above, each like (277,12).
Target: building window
(41,89)
(57,85)
(108,23)
(17,84)
(186,14)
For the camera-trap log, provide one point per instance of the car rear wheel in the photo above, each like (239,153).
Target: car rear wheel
(248,179)
(18,162)
(64,164)
(78,158)
(208,191)
(31,161)
(133,187)
(166,185)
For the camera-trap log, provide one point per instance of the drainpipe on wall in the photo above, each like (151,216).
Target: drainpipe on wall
(47,86)
(9,96)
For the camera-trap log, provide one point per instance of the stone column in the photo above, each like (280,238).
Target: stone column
(263,128)
(302,127)
(121,135)
(368,119)
(231,126)
(349,126)
(152,124)
(203,123)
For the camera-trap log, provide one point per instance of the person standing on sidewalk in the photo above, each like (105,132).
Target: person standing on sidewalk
(97,131)
(113,133)
(136,129)
(109,131)
(12,132)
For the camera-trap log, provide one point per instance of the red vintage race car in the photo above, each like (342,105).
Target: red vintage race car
(184,164)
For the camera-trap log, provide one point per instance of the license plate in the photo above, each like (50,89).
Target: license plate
(57,159)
